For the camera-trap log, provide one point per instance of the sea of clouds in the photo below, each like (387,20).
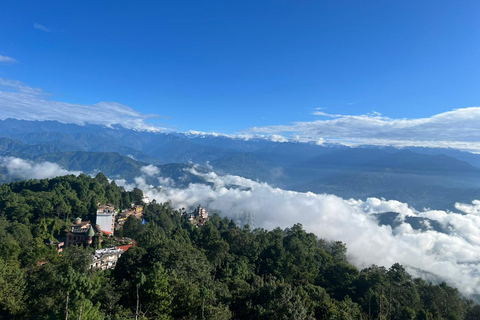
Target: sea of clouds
(452,257)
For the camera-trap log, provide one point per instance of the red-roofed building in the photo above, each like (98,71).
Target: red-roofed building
(125,247)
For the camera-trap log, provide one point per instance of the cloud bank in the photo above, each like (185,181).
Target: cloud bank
(20,101)
(453,129)
(26,169)
(453,257)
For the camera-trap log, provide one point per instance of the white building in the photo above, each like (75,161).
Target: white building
(146,199)
(106,218)
(106,258)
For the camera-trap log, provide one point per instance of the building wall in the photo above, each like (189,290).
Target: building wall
(73,239)
(106,258)
(106,222)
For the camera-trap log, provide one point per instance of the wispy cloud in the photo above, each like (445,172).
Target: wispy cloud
(20,101)
(41,27)
(456,129)
(6,59)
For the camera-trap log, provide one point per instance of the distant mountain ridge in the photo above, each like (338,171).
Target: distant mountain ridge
(112,164)
(417,223)
(423,176)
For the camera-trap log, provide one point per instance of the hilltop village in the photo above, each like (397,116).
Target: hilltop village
(109,219)
(123,258)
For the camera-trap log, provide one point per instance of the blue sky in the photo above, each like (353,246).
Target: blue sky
(228,66)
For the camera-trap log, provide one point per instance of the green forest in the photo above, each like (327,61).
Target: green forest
(179,271)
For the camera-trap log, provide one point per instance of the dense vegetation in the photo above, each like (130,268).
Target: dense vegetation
(178,271)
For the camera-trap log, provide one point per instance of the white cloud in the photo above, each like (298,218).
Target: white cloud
(165,182)
(278,138)
(240,136)
(473,208)
(41,27)
(317,112)
(456,129)
(150,170)
(26,169)
(455,257)
(6,59)
(20,101)
(202,134)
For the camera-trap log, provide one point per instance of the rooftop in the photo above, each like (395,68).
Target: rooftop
(106,252)
(84,228)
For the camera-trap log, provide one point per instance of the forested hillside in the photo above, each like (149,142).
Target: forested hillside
(178,271)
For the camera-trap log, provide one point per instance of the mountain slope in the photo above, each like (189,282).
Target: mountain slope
(421,176)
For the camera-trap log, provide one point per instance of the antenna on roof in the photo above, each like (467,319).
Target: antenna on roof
(248,218)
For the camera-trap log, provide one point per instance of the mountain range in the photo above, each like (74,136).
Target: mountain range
(423,177)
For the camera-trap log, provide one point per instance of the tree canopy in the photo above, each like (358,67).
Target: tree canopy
(179,271)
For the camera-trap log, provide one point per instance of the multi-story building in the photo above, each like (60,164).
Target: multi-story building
(106,218)
(202,213)
(106,258)
(81,233)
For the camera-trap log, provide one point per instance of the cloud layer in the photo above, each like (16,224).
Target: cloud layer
(456,129)
(454,258)
(19,101)
(26,169)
